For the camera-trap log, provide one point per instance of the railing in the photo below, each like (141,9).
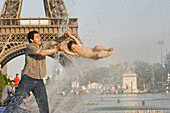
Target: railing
(144,111)
(36,21)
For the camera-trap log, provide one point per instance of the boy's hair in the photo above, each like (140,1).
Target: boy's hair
(70,44)
(30,35)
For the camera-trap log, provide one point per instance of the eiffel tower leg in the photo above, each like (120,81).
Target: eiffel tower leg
(11,9)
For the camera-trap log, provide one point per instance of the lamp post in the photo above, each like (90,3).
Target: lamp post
(161,42)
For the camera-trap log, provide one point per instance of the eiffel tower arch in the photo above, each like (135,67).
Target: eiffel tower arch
(14,29)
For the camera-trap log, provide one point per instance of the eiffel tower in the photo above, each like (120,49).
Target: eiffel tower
(14,29)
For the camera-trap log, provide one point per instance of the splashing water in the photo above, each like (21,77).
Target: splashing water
(58,85)
(60,97)
(64,24)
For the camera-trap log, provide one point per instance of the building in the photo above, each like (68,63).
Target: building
(130,82)
(94,86)
(75,84)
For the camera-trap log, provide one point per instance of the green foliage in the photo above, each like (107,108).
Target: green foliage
(3,81)
(167,63)
(158,72)
(149,75)
(144,72)
(117,71)
(107,76)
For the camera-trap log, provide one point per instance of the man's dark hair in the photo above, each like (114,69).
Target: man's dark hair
(70,44)
(17,74)
(30,35)
(12,81)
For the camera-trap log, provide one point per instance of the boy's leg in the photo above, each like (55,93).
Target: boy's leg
(101,48)
(41,97)
(99,55)
(25,86)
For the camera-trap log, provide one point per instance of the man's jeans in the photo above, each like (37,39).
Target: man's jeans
(26,85)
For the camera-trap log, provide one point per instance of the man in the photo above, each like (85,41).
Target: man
(17,80)
(7,93)
(34,71)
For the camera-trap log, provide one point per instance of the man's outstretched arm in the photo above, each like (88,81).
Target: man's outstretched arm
(59,40)
(50,51)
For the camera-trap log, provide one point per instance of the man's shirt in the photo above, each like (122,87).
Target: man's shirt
(35,65)
(5,93)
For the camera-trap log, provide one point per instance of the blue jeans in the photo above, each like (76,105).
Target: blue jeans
(26,85)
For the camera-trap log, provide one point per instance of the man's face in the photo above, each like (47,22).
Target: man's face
(12,84)
(17,76)
(37,39)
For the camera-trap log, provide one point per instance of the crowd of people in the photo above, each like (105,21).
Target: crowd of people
(7,93)
(9,90)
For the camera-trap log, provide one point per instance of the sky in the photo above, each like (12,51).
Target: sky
(133,27)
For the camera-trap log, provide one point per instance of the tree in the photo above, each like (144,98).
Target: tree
(95,75)
(117,71)
(158,72)
(144,73)
(3,81)
(167,63)
(107,76)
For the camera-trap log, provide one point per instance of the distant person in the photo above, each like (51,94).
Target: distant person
(7,93)
(9,79)
(17,79)
(79,50)
(34,71)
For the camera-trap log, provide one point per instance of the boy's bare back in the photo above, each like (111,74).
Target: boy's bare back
(85,52)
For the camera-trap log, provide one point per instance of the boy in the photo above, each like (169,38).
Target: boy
(80,50)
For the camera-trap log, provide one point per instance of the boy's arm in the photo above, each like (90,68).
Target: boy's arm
(71,53)
(50,51)
(75,39)
(72,37)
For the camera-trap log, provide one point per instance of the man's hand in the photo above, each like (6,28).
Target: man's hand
(61,47)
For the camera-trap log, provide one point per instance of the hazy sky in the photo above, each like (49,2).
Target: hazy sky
(132,27)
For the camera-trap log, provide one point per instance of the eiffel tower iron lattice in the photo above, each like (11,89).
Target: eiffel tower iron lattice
(14,29)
